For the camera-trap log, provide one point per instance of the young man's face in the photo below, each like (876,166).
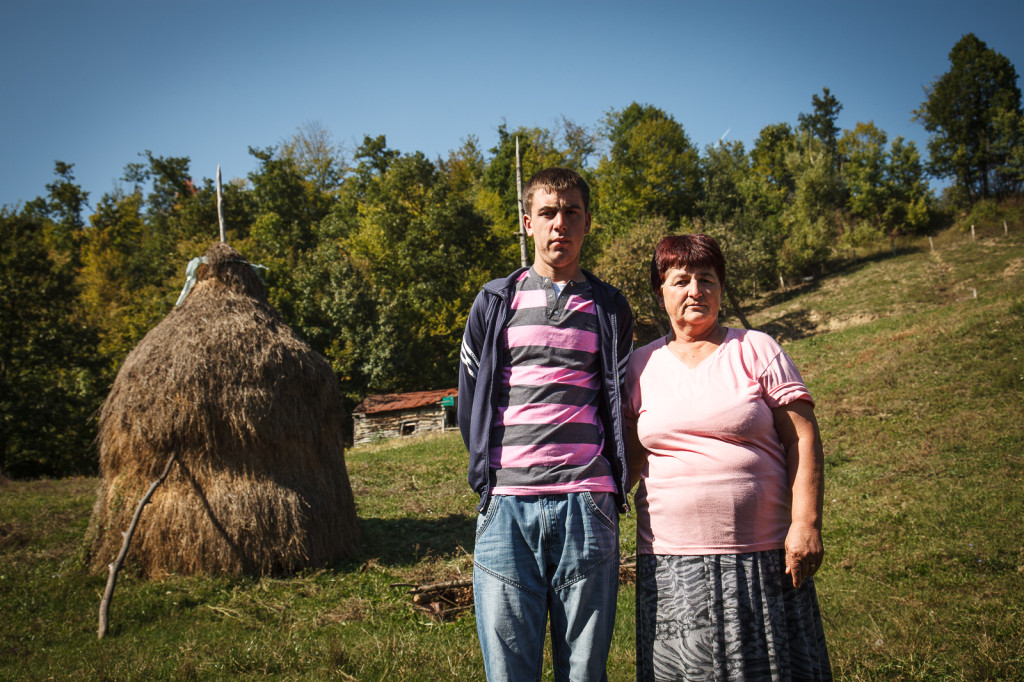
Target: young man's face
(557,222)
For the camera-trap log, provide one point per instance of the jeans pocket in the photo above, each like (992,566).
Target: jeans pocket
(603,507)
(485,519)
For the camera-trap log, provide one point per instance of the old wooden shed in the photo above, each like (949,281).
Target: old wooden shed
(396,415)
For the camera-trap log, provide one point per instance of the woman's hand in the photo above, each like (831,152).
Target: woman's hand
(804,552)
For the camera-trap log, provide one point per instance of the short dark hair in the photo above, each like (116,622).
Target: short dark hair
(555,180)
(689,250)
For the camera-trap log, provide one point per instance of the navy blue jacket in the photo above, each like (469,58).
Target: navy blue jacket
(481,365)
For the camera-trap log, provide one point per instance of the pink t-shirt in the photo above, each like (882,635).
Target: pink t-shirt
(715,481)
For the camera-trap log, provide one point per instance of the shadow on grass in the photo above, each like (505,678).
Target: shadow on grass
(401,542)
(792,326)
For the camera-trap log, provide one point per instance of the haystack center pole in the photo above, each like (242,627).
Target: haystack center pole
(115,566)
(519,195)
(220,208)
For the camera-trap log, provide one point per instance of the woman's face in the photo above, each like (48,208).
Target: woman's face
(692,296)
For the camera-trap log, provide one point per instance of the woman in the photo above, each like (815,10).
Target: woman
(726,446)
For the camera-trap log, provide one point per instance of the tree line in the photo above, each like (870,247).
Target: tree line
(374,255)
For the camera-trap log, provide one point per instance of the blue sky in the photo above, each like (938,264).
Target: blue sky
(97,83)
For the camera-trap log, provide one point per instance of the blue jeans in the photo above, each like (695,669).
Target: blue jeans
(546,554)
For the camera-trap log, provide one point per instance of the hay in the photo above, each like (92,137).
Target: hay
(254,417)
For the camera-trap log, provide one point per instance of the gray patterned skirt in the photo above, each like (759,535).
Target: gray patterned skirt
(726,617)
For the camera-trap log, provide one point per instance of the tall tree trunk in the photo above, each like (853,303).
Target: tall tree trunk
(735,307)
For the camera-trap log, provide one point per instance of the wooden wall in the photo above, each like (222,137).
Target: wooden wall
(401,423)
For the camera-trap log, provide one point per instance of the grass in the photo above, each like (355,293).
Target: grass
(916,360)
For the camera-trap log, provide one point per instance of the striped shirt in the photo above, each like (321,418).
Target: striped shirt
(546,436)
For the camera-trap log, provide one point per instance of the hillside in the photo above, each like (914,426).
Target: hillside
(916,360)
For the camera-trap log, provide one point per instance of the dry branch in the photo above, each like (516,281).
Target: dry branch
(220,209)
(444,600)
(519,195)
(115,566)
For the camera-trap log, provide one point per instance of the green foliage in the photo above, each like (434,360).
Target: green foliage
(317,157)
(810,220)
(49,373)
(974,115)
(626,264)
(821,123)
(538,149)
(652,169)
(734,211)
(402,276)
(864,165)
(61,212)
(123,278)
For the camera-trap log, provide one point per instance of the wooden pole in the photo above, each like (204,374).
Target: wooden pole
(519,196)
(972,233)
(115,566)
(220,208)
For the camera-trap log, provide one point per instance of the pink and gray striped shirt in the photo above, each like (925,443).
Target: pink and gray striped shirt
(547,436)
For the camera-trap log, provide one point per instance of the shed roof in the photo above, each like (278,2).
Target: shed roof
(389,402)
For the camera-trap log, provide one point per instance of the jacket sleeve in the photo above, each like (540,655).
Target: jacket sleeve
(469,365)
(624,317)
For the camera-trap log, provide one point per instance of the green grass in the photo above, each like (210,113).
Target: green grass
(917,363)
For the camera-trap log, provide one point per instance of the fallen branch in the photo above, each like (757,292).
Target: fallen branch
(442,586)
(115,567)
(443,600)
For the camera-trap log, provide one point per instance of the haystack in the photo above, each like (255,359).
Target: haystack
(252,414)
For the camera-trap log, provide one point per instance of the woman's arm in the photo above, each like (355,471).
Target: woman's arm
(805,461)
(636,456)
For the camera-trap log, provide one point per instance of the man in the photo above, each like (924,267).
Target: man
(540,392)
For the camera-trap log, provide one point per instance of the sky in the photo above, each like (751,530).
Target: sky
(97,84)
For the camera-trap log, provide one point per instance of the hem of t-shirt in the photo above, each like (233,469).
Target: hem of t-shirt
(518,491)
(703,551)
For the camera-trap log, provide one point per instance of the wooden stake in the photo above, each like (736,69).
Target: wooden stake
(115,567)
(1006,230)
(932,242)
(972,233)
(519,195)
(220,209)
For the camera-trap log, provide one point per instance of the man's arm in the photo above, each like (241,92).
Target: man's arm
(625,335)
(469,365)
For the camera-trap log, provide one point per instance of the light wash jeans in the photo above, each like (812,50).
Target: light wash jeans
(546,554)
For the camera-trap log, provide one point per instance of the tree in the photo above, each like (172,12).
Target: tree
(386,291)
(887,192)
(733,209)
(973,113)
(909,198)
(124,277)
(864,166)
(49,374)
(62,211)
(810,219)
(652,169)
(318,158)
(498,200)
(626,264)
(821,123)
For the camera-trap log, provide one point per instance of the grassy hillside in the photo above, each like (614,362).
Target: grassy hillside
(916,360)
